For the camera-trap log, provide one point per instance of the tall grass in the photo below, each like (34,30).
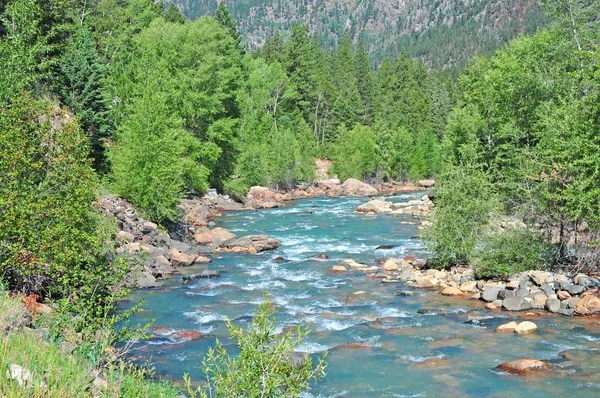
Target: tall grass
(59,374)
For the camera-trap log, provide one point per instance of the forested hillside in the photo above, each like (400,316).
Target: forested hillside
(443,32)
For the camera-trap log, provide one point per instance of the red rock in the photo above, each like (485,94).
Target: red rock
(588,305)
(179,258)
(525,366)
(217,235)
(563,295)
(188,335)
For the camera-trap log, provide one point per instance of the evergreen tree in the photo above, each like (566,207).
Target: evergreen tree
(84,89)
(173,14)
(364,82)
(227,21)
(348,108)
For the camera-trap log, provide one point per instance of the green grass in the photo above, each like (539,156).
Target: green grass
(65,375)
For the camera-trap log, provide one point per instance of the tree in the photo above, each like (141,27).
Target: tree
(84,89)
(52,241)
(227,21)
(24,50)
(354,153)
(173,14)
(364,82)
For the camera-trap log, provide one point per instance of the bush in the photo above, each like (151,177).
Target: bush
(264,367)
(464,200)
(52,242)
(502,254)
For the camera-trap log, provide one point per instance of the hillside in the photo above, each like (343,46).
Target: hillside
(444,32)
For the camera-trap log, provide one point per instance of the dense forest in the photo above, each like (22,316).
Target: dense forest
(132,97)
(445,33)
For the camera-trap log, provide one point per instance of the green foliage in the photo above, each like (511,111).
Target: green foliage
(84,90)
(465,198)
(52,242)
(502,254)
(66,374)
(264,367)
(354,153)
(24,49)
(176,132)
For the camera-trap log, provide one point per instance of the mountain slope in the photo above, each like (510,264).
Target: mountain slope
(444,32)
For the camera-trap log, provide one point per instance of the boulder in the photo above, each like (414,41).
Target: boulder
(249,244)
(179,258)
(452,291)
(338,268)
(490,293)
(261,193)
(202,260)
(516,304)
(552,305)
(205,274)
(525,328)
(426,183)
(391,265)
(540,277)
(353,264)
(375,205)
(507,327)
(355,187)
(216,236)
(330,184)
(588,305)
(321,256)
(575,290)
(539,300)
(563,295)
(525,366)
(469,287)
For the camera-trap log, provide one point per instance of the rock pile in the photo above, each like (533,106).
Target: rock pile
(524,291)
(160,254)
(417,208)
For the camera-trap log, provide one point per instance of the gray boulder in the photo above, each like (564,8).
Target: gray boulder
(491,293)
(552,305)
(516,304)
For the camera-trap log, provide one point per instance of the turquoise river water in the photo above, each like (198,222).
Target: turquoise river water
(397,341)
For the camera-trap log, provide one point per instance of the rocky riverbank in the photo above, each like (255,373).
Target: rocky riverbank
(162,253)
(532,290)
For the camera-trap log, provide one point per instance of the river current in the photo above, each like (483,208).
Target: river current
(394,358)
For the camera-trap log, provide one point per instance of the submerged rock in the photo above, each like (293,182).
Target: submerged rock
(526,328)
(525,366)
(507,327)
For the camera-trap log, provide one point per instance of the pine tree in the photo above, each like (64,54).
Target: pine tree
(364,82)
(83,88)
(226,20)
(173,14)
(348,107)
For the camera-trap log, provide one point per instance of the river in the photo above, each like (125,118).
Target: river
(399,343)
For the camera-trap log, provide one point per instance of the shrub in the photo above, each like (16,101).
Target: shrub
(502,254)
(52,242)
(464,200)
(264,367)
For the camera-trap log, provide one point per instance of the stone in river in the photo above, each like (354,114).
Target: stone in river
(552,305)
(526,328)
(391,265)
(525,366)
(516,304)
(452,291)
(321,256)
(337,268)
(204,274)
(188,335)
(507,327)
(490,293)
(357,296)
(385,247)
